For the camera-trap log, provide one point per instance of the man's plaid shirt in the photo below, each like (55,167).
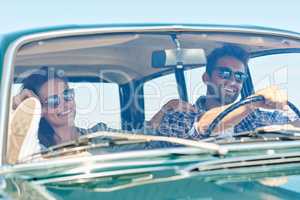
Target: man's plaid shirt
(181,124)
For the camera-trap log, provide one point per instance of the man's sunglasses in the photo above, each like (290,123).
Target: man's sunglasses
(226,73)
(54,100)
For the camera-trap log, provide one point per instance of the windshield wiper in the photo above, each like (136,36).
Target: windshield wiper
(270,133)
(285,131)
(105,139)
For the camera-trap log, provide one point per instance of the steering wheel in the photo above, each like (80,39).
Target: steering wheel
(236,105)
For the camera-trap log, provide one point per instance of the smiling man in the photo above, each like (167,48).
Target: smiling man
(225,74)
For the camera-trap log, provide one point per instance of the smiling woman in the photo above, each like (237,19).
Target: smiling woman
(58,106)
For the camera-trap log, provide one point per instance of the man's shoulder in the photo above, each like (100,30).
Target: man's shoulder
(100,126)
(200,103)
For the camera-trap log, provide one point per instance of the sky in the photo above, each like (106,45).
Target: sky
(19,15)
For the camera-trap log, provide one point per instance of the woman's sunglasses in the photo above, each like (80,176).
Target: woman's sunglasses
(54,100)
(226,73)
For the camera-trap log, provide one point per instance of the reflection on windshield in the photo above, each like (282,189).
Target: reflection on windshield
(103,88)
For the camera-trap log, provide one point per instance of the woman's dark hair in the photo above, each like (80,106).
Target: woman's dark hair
(34,82)
(227,50)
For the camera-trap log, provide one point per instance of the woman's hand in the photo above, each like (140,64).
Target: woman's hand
(19,98)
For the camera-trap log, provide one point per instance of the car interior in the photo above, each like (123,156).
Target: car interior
(123,79)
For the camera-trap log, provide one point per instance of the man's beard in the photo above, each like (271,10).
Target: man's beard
(218,93)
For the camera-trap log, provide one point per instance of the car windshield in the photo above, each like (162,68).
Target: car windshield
(96,91)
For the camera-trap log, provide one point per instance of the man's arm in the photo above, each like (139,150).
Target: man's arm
(174,105)
(274,99)
(230,120)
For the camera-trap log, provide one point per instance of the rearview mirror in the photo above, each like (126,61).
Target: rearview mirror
(173,57)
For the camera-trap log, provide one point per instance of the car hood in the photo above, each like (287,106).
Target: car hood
(177,173)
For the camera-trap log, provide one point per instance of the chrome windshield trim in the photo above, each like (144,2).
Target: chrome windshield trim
(120,156)
(245,161)
(126,156)
(9,58)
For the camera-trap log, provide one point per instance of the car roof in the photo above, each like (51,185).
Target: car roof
(133,45)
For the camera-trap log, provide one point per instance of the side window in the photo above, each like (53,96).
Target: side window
(281,70)
(157,92)
(194,84)
(97,102)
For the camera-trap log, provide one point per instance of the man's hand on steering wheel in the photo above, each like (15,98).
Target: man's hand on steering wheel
(275,98)
(270,98)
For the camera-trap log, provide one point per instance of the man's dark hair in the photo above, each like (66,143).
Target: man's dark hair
(227,50)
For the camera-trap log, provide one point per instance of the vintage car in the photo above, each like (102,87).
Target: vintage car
(122,76)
